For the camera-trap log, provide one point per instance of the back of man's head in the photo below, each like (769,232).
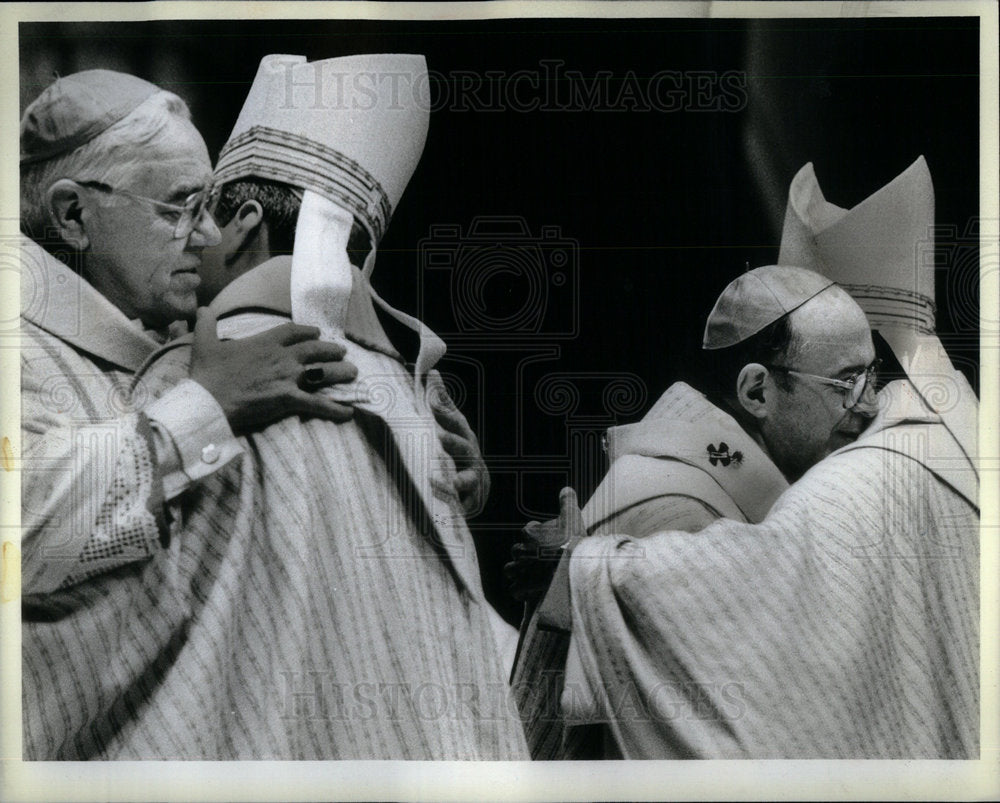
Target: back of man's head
(257,218)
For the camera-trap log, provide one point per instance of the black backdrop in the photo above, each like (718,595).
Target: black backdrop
(570,224)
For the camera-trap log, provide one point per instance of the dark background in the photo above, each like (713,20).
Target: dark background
(570,254)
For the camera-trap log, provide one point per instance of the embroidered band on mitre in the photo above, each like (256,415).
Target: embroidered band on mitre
(350,129)
(882,252)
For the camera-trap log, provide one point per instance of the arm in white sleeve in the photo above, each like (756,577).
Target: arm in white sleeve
(191,436)
(93,484)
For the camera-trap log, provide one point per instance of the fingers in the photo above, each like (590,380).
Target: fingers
(312,405)
(569,512)
(457,447)
(320,375)
(452,420)
(445,412)
(567,499)
(467,481)
(437,394)
(520,551)
(309,351)
(442,487)
(288,334)
(472,490)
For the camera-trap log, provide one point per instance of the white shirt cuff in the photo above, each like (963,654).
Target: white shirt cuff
(192,436)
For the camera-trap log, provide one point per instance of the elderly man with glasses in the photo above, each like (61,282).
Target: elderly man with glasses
(115,183)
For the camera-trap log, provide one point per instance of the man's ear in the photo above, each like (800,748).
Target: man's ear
(68,207)
(246,224)
(750,389)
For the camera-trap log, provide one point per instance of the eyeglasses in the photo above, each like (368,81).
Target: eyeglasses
(855,385)
(185,217)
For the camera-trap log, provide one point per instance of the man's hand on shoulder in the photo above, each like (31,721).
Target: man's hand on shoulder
(262,379)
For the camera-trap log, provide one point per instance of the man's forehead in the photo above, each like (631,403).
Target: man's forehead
(832,347)
(176,166)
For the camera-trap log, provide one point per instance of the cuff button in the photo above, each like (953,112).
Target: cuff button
(210,454)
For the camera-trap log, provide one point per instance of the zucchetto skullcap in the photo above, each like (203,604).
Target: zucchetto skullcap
(75,109)
(757,299)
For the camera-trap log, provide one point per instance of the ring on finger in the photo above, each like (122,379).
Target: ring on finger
(312,377)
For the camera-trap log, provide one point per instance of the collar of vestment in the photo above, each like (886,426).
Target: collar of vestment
(685,426)
(56,299)
(940,387)
(905,424)
(267,287)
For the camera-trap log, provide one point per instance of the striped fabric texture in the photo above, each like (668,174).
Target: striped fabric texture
(305,609)
(539,677)
(843,626)
(89,486)
(680,504)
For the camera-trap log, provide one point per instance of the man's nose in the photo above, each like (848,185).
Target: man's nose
(205,233)
(867,405)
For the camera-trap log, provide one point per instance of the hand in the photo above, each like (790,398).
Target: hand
(472,481)
(537,554)
(261,379)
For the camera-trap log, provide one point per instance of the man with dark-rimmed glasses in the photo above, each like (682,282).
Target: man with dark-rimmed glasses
(854,386)
(768,410)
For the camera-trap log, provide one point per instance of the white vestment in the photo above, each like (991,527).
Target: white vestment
(313,603)
(687,463)
(845,625)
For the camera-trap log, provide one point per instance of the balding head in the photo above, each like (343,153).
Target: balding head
(800,415)
(799,324)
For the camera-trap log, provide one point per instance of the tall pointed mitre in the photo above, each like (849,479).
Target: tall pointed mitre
(351,129)
(882,252)
(349,132)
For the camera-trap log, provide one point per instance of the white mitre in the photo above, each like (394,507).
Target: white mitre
(349,132)
(882,252)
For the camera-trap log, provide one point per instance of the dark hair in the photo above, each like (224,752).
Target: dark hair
(280,203)
(770,346)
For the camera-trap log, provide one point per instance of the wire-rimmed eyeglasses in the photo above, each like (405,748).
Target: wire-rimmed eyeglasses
(184,217)
(854,385)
